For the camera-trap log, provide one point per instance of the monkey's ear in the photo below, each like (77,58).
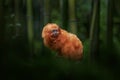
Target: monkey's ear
(43,33)
(59,29)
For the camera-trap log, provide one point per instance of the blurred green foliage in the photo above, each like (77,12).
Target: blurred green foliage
(44,64)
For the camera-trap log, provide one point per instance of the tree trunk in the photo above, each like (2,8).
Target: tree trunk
(72,18)
(110,26)
(94,30)
(2,31)
(117,18)
(36,19)
(17,19)
(47,10)
(64,13)
(30,27)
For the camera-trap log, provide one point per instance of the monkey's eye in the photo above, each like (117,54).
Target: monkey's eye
(54,30)
(54,33)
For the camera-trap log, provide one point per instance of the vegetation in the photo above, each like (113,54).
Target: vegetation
(95,22)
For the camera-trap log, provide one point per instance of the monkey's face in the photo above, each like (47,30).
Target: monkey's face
(51,30)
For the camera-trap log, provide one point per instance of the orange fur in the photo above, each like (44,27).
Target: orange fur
(65,43)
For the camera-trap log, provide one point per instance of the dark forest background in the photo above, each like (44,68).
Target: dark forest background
(24,56)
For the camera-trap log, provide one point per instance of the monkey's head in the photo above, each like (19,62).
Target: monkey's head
(51,31)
